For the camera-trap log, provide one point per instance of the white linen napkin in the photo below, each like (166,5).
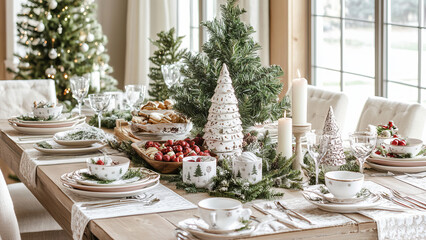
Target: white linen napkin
(396,225)
(417,180)
(80,216)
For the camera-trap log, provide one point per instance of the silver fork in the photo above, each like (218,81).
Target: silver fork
(146,200)
(409,199)
(392,199)
(296,214)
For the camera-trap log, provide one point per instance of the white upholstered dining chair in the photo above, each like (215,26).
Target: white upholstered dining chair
(319,101)
(16,97)
(410,118)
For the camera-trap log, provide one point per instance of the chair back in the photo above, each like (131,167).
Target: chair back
(319,101)
(9,228)
(17,96)
(410,118)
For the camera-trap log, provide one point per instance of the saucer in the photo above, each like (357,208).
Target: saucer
(204,226)
(191,225)
(316,189)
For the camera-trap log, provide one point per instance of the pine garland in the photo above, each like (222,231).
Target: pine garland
(167,53)
(109,118)
(256,87)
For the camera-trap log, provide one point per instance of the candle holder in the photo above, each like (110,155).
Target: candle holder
(299,130)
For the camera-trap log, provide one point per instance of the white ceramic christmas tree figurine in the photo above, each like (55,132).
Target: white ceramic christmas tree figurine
(335,156)
(223,131)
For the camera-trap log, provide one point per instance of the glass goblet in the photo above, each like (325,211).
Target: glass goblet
(362,144)
(79,88)
(317,149)
(99,103)
(171,74)
(134,94)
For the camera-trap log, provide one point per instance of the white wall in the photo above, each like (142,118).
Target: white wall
(112,15)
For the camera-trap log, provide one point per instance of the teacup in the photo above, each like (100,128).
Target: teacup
(344,184)
(222,213)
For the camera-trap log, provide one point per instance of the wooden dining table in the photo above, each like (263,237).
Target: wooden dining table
(162,225)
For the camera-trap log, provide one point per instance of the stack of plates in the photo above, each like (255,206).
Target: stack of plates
(407,165)
(77,183)
(63,123)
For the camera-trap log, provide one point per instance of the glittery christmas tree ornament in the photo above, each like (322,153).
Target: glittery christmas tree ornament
(223,131)
(335,155)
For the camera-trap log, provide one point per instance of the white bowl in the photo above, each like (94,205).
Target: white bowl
(112,172)
(344,184)
(413,147)
(46,113)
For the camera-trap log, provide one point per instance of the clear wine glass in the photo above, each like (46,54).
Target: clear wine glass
(171,74)
(134,94)
(79,88)
(99,103)
(317,149)
(362,144)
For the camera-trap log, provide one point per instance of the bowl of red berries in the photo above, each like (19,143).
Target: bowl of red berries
(167,156)
(404,146)
(108,167)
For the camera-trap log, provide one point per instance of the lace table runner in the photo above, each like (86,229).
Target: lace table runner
(417,180)
(396,225)
(318,217)
(80,216)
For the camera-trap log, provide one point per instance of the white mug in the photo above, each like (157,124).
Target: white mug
(222,213)
(250,170)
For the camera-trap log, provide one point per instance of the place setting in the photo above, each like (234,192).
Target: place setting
(110,177)
(82,140)
(45,119)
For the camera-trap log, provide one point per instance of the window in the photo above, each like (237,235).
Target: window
(344,48)
(190,13)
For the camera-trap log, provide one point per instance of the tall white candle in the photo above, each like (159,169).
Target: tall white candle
(299,102)
(285,136)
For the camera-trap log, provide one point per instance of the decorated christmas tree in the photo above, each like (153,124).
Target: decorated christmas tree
(63,38)
(167,53)
(335,155)
(223,132)
(256,87)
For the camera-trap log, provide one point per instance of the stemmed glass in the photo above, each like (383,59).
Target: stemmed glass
(317,149)
(134,94)
(171,73)
(362,144)
(99,103)
(79,88)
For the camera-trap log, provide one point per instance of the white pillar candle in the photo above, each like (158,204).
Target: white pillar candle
(299,102)
(285,136)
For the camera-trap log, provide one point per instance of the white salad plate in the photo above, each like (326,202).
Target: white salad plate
(58,149)
(111,194)
(370,202)
(192,225)
(40,131)
(61,119)
(48,124)
(74,143)
(397,169)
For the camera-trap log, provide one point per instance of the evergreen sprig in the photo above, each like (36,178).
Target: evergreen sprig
(109,118)
(167,52)
(256,87)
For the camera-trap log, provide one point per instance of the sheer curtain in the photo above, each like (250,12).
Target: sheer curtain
(145,18)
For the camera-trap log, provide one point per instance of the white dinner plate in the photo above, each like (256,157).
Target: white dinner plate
(414,159)
(61,119)
(397,169)
(73,143)
(110,194)
(41,131)
(58,149)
